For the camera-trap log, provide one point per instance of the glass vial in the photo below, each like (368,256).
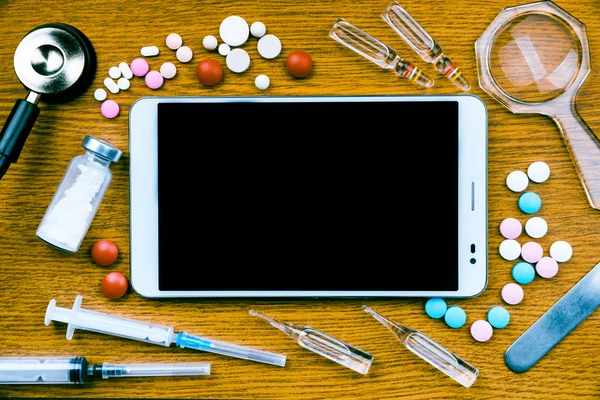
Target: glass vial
(79,195)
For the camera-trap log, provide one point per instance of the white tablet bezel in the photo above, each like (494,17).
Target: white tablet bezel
(472,228)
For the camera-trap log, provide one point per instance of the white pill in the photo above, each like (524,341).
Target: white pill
(536,227)
(238,60)
(510,249)
(125,70)
(262,82)
(258,29)
(123,83)
(269,46)
(234,30)
(209,42)
(517,181)
(114,72)
(538,171)
(561,251)
(224,49)
(100,94)
(174,41)
(149,51)
(111,85)
(184,54)
(168,70)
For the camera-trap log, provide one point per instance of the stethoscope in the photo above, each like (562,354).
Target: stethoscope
(55,61)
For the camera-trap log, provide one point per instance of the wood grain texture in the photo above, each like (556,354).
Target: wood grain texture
(33,273)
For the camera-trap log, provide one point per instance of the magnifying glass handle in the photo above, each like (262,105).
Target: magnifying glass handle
(16,129)
(584,148)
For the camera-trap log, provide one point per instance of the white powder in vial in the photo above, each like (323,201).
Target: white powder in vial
(67,222)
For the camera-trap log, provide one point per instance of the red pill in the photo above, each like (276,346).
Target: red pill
(105,252)
(114,285)
(209,72)
(299,63)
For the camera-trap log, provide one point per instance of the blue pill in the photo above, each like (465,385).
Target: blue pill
(523,272)
(436,307)
(530,202)
(455,317)
(498,317)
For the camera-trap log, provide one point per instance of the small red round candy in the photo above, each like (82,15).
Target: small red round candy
(114,285)
(105,252)
(299,63)
(209,72)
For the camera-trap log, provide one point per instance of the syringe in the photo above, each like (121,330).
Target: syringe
(423,44)
(79,318)
(69,370)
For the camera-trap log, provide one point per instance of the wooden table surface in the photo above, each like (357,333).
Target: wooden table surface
(32,273)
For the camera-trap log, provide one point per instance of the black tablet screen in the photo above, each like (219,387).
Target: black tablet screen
(308,196)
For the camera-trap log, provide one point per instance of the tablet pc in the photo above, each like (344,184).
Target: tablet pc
(326,196)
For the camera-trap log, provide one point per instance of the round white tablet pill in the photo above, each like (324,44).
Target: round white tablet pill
(184,54)
(224,49)
(538,171)
(149,51)
(536,227)
(234,30)
(111,85)
(174,41)
(510,249)
(114,72)
(561,251)
(238,60)
(123,83)
(269,46)
(517,181)
(258,29)
(125,70)
(209,42)
(100,94)
(262,82)
(168,70)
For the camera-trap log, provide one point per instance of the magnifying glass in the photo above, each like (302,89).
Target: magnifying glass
(533,59)
(55,61)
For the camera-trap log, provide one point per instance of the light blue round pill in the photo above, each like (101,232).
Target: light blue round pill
(523,272)
(530,202)
(455,317)
(498,317)
(436,307)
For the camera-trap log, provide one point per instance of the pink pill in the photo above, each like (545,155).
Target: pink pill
(512,293)
(547,267)
(511,228)
(139,67)
(532,252)
(110,109)
(481,330)
(154,79)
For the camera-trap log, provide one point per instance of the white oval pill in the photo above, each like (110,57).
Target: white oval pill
(269,46)
(234,30)
(184,54)
(149,51)
(262,82)
(561,251)
(100,94)
(238,60)
(168,70)
(224,49)
(538,171)
(114,72)
(536,227)
(517,181)
(174,41)
(209,42)
(111,85)
(258,29)
(510,249)
(125,70)
(123,83)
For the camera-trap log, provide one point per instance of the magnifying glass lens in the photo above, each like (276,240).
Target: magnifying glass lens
(535,57)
